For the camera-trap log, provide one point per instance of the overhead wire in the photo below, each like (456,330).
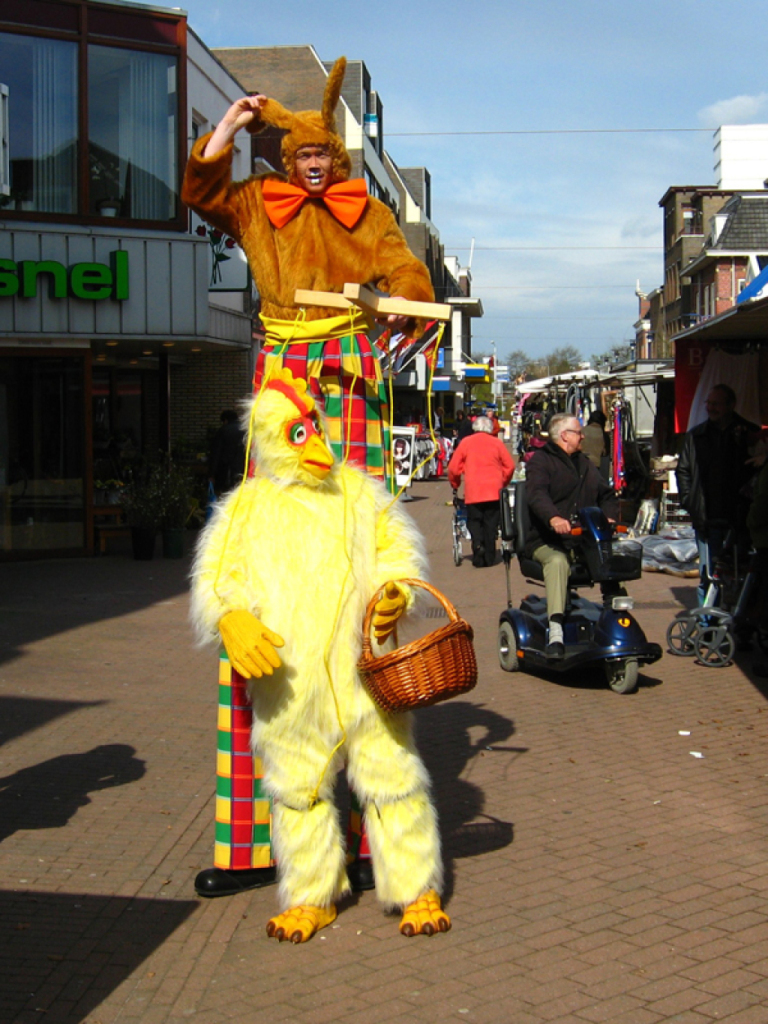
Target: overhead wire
(551,131)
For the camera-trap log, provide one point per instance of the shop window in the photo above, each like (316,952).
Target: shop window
(40,76)
(132,140)
(5,162)
(118,429)
(42,439)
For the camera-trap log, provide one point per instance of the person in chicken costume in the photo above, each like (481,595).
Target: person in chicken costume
(318,230)
(345,538)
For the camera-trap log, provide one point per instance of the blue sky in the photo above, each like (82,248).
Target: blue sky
(567,221)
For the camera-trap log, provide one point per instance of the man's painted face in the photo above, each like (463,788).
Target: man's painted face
(313,169)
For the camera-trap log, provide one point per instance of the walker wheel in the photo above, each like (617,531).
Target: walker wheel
(681,636)
(456,547)
(714,647)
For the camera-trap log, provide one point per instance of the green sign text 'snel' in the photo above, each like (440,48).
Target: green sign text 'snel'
(91,281)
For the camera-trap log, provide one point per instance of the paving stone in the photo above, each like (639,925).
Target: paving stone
(596,871)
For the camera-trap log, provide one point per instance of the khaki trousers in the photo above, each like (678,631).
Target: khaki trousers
(557,566)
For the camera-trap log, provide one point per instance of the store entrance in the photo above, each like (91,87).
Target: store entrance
(42,453)
(118,424)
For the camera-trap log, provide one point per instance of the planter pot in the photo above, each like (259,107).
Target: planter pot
(143,541)
(173,542)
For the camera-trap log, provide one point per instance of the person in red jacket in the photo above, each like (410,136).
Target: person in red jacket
(486,466)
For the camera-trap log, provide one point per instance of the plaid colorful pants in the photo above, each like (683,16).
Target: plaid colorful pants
(345,379)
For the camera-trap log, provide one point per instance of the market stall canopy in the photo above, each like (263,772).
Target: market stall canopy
(739,331)
(566,379)
(745,322)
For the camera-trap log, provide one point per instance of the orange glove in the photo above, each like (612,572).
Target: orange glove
(388,610)
(250,645)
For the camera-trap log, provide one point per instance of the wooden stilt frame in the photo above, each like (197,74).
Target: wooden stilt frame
(370,302)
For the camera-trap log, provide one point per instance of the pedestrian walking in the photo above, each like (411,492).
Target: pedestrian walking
(486,466)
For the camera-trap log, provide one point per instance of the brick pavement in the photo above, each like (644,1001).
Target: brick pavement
(596,870)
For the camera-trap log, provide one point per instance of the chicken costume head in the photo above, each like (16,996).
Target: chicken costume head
(312,127)
(288,432)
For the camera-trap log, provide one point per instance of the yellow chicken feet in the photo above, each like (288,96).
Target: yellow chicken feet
(300,923)
(425,916)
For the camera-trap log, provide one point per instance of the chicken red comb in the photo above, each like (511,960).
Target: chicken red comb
(294,389)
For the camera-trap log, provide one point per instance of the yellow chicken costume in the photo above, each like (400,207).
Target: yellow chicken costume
(289,564)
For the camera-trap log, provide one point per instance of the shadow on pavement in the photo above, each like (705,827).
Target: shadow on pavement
(62,955)
(686,597)
(589,677)
(446,743)
(41,599)
(48,794)
(20,715)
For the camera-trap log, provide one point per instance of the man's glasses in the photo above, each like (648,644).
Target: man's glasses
(570,430)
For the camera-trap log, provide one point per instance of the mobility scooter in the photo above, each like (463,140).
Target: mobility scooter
(605,633)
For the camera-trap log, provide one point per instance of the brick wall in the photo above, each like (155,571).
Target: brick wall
(201,388)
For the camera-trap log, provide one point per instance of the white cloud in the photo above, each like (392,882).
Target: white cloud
(738,110)
(645,225)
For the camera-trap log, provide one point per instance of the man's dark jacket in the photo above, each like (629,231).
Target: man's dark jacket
(557,484)
(728,471)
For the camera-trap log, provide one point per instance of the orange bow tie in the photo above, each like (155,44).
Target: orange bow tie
(346,200)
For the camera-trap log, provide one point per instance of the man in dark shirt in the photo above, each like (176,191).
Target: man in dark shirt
(712,477)
(560,480)
(227,462)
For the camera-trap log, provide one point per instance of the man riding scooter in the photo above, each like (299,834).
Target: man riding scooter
(560,480)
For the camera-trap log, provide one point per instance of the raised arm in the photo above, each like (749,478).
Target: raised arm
(244,113)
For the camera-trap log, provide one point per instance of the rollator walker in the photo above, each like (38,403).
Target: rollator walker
(605,633)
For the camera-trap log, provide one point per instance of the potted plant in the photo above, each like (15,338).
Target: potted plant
(178,508)
(144,505)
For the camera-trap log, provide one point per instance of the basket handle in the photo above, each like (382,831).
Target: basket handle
(453,615)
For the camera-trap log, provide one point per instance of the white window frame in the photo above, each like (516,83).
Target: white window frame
(5,141)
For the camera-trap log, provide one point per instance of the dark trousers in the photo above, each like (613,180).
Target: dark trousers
(483,525)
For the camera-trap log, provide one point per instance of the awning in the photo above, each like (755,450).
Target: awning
(746,322)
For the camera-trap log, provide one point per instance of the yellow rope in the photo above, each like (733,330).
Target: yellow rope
(345,446)
(300,317)
(327,653)
(390,381)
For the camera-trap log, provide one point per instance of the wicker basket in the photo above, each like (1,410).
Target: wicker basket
(433,668)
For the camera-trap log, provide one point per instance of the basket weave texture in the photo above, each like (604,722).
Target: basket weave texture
(426,671)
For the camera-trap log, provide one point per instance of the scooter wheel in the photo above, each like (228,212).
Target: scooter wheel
(507,648)
(681,637)
(622,675)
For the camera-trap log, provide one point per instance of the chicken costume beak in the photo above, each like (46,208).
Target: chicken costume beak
(316,457)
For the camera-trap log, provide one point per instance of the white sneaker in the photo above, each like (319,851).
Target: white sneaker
(555,647)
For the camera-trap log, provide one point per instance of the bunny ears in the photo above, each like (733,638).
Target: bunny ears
(312,127)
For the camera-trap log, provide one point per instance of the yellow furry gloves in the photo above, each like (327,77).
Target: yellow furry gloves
(388,610)
(250,645)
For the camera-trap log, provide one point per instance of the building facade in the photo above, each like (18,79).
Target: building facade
(107,326)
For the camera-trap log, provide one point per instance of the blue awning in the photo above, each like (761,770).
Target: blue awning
(754,287)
